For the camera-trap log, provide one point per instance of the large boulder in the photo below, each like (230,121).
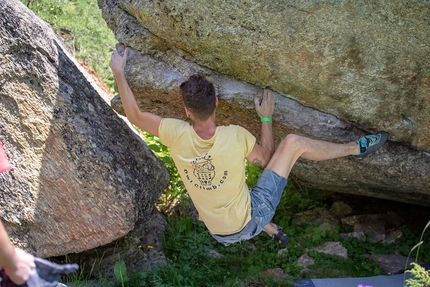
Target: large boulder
(366,63)
(339,70)
(81,177)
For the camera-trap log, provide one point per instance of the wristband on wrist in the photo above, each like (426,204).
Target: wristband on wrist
(266,120)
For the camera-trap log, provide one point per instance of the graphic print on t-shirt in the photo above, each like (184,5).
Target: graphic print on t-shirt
(204,172)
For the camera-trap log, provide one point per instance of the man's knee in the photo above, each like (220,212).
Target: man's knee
(291,141)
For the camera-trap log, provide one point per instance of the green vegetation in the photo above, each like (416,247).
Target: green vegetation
(419,276)
(81,25)
(120,272)
(187,245)
(175,191)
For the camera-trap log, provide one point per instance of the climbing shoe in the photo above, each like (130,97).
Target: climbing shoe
(280,237)
(371,143)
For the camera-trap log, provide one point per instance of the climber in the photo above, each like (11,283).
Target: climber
(210,158)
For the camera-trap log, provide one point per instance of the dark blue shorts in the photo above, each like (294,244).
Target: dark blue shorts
(265,197)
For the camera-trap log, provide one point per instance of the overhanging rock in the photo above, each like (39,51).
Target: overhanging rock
(351,67)
(394,172)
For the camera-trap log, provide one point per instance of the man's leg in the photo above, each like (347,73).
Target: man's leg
(292,147)
(271,229)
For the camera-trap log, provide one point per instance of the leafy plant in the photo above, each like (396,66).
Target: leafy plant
(175,192)
(420,276)
(252,174)
(317,233)
(120,271)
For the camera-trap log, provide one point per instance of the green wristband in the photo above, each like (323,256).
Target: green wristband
(266,120)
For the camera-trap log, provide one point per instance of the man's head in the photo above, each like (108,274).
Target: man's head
(199,97)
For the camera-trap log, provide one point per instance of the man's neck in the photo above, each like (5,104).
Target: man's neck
(205,129)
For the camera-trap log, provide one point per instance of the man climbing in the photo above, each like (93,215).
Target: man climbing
(210,158)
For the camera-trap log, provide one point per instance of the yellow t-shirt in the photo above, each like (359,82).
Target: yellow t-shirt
(213,172)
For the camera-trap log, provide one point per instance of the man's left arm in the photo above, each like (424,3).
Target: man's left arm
(263,152)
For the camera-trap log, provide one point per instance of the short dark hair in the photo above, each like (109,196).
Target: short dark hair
(199,96)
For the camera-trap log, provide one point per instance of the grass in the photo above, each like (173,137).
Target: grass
(81,25)
(187,244)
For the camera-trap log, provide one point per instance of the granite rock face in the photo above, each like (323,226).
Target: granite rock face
(395,172)
(81,177)
(339,69)
(363,62)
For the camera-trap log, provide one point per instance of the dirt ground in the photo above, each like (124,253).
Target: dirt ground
(99,81)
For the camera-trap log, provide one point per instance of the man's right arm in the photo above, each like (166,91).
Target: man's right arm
(147,121)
